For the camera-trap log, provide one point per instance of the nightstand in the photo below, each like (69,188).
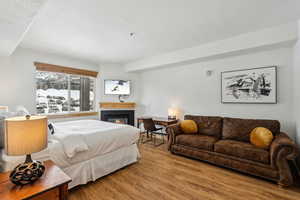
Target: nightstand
(53,185)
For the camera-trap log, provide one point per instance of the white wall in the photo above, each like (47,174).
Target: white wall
(17,76)
(296,84)
(188,88)
(117,72)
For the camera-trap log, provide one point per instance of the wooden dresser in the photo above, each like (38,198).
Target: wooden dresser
(53,185)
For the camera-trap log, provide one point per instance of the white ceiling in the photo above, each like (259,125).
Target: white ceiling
(15,19)
(98,30)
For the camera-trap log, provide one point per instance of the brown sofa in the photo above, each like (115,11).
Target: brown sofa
(225,142)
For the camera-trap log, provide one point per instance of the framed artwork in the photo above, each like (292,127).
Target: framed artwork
(257,85)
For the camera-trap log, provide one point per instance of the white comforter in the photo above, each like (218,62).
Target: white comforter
(84,139)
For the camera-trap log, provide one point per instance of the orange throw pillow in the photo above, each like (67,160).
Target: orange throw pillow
(261,137)
(189,126)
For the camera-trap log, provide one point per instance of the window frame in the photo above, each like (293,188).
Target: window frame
(68,71)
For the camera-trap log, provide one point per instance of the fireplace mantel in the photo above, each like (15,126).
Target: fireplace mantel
(117,105)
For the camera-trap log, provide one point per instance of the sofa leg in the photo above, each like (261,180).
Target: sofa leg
(285,182)
(282,186)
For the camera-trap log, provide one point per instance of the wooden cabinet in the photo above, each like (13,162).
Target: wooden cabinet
(53,185)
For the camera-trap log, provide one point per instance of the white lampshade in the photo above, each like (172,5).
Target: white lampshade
(172,112)
(25,135)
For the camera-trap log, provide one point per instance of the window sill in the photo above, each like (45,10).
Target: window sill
(69,115)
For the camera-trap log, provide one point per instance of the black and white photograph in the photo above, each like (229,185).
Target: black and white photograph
(257,85)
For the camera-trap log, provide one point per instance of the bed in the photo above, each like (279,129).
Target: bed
(86,149)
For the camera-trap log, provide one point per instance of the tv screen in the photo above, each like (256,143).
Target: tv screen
(118,87)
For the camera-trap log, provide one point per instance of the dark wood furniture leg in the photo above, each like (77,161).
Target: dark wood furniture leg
(63,192)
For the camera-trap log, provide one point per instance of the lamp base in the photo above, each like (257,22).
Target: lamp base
(27,172)
(171,117)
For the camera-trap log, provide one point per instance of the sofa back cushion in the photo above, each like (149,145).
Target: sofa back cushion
(211,126)
(240,129)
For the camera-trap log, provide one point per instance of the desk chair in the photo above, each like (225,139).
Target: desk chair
(151,129)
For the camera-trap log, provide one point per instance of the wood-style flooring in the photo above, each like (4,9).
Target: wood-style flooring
(161,175)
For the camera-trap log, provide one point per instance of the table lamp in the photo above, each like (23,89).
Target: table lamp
(24,136)
(172,113)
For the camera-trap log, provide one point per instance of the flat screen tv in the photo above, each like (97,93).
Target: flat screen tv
(117,87)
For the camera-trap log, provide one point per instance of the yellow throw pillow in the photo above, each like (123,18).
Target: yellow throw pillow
(261,137)
(189,126)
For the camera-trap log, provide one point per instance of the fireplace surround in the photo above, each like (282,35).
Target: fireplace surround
(118,116)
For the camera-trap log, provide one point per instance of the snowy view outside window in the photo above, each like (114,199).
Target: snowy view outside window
(63,93)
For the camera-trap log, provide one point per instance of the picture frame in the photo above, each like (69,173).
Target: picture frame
(250,86)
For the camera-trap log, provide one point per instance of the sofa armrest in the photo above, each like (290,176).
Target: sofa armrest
(173,130)
(282,149)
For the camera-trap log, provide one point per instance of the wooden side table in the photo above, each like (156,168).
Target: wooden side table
(53,185)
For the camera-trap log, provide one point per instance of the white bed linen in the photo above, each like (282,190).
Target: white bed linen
(91,170)
(85,171)
(100,137)
(110,147)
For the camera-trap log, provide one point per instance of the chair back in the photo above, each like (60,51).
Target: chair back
(149,124)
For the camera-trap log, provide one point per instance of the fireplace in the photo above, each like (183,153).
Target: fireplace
(118,120)
(118,116)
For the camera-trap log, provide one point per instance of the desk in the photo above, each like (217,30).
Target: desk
(162,121)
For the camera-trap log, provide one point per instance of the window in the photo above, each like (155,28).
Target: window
(59,92)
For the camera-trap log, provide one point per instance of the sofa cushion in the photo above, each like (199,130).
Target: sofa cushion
(240,129)
(211,126)
(189,126)
(197,141)
(261,137)
(242,150)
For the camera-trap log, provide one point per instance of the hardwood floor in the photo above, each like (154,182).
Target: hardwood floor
(161,175)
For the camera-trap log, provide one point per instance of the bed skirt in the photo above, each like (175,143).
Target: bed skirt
(85,171)
(91,170)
